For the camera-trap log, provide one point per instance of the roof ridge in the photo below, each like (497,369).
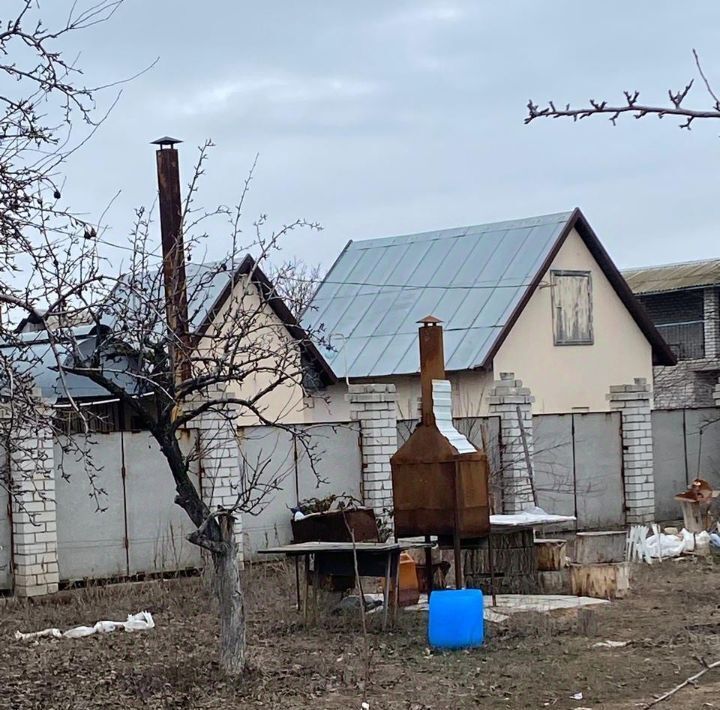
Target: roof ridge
(519,221)
(670,265)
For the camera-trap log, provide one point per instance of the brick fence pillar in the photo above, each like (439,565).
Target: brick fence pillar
(374,406)
(220,459)
(31,475)
(506,396)
(716,395)
(633,402)
(711,317)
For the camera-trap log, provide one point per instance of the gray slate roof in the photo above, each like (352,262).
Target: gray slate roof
(472,278)
(673,277)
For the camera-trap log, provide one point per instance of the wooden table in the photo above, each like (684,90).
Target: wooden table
(374,559)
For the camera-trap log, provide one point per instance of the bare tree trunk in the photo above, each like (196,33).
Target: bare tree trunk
(230,601)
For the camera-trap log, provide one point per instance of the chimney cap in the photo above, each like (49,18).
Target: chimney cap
(430,320)
(166,141)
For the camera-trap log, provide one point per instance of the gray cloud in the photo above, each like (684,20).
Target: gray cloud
(381,117)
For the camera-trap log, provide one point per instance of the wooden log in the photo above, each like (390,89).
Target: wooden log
(551,554)
(592,548)
(601,581)
(555,582)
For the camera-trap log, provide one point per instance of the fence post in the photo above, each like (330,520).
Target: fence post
(633,402)
(31,468)
(220,459)
(373,405)
(507,397)
(716,395)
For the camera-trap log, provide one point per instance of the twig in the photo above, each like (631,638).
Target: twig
(689,681)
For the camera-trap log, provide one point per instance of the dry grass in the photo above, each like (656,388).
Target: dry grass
(672,618)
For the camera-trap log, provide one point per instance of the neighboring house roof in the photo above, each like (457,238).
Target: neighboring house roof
(33,354)
(208,290)
(476,279)
(673,277)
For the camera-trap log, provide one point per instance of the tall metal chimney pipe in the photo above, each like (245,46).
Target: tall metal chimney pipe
(176,306)
(432,363)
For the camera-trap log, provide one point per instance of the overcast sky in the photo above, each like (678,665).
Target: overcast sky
(380,117)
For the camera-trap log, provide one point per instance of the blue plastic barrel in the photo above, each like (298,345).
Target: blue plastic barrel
(456,618)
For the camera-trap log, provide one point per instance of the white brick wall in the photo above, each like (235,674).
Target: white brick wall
(711,314)
(505,397)
(375,408)
(220,459)
(34,528)
(634,403)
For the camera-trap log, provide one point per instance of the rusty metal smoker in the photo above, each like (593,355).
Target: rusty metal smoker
(440,480)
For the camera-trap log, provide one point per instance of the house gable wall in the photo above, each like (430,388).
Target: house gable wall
(567,377)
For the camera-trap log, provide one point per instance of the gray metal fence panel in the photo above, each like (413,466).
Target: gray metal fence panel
(270,451)
(90,541)
(702,431)
(554,463)
(156,526)
(669,461)
(5,537)
(599,491)
(337,467)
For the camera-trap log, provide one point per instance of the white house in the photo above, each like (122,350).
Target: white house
(539,297)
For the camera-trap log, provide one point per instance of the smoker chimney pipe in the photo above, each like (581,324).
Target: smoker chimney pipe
(432,363)
(176,307)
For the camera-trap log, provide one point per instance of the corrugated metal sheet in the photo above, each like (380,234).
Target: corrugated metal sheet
(673,277)
(472,278)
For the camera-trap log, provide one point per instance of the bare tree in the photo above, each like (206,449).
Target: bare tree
(296,282)
(48,253)
(633,106)
(108,321)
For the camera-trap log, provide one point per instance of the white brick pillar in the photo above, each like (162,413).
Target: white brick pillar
(374,406)
(716,395)
(31,469)
(506,396)
(634,403)
(711,314)
(220,479)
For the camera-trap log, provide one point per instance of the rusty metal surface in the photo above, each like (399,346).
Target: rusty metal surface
(333,526)
(432,364)
(436,490)
(176,302)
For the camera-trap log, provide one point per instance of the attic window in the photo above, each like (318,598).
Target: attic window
(572,307)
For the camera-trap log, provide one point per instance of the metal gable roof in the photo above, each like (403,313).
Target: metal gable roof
(472,278)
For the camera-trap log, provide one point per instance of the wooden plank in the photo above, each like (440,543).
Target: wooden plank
(551,555)
(602,581)
(593,548)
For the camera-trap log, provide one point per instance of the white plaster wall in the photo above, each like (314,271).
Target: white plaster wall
(564,377)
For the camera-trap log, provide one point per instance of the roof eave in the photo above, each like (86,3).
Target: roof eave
(248,267)
(661,353)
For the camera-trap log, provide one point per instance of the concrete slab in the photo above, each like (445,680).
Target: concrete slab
(509,604)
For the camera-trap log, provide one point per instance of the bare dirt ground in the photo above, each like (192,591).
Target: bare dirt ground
(672,618)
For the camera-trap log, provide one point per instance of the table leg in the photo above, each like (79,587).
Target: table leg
(428,567)
(316,587)
(307,589)
(396,595)
(386,591)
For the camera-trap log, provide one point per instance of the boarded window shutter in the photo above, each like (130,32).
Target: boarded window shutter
(572,307)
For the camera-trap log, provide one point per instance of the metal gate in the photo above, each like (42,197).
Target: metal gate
(337,469)
(578,467)
(686,445)
(133,525)
(5,533)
